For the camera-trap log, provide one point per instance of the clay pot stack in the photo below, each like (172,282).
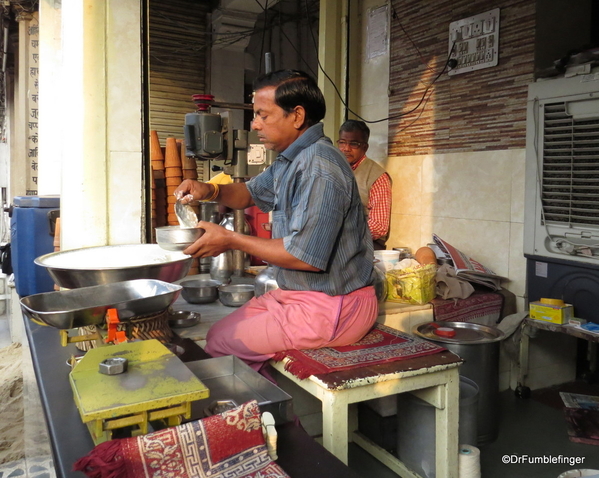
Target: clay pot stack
(169,167)
(174,177)
(158,183)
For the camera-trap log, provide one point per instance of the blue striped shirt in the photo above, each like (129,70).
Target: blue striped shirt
(311,190)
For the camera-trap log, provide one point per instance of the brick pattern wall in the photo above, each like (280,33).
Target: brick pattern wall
(473,111)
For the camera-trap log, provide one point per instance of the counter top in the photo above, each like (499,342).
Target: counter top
(71,440)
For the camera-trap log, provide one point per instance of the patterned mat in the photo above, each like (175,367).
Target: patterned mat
(484,308)
(227,445)
(381,345)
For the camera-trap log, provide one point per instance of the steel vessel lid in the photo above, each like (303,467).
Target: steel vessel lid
(465,333)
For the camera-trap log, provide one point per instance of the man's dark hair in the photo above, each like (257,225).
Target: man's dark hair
(354,125)
(295,88)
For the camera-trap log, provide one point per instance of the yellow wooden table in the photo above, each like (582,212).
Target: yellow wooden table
(156,386)
(433,378)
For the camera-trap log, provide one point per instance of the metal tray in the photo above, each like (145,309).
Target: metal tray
(229,378)
(88,305)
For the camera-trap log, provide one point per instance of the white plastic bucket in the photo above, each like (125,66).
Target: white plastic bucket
(387,258)
(416,428)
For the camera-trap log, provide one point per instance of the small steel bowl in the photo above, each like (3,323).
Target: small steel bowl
(235,295)
(177,238)
(183,318)
(200,291)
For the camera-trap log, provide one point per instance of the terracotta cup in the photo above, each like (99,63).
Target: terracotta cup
(155,149)
(173,172)
(170,192)
(174,181)
(172,158)
(190,174)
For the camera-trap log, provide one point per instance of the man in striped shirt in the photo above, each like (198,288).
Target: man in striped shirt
(373,181)
(321,248)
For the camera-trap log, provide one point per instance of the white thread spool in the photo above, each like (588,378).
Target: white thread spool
(468,462)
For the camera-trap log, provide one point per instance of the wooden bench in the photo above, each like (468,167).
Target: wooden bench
(433,378)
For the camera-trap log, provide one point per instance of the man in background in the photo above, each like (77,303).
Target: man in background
(374,184)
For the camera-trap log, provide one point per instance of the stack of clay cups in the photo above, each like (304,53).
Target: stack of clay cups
(158,182)
(174,177)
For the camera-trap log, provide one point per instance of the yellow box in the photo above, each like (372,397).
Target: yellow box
(556,314)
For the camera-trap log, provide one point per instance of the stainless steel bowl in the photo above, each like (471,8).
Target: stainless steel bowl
(106,264)
(67,309)
(200,291)
(183,318)
(235,295)
(177,238)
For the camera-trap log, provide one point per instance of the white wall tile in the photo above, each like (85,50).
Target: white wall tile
(468,186)
(517,261)
(518,187)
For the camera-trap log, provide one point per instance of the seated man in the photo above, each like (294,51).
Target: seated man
(374,183)
(320,248)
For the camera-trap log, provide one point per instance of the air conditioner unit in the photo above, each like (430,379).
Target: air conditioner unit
(561,217)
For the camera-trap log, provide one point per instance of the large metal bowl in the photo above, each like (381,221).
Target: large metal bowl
(235,295)
(177,238)
(199,291)
(91,266)
(69,309)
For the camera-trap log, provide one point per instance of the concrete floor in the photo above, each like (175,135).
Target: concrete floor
(529,430)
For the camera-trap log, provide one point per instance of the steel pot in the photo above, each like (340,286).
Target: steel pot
(235,295)
(208,212)
(221,267)
(478,345)
(265,281)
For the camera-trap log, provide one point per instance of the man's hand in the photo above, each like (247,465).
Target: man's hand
(213,242)
(190,189)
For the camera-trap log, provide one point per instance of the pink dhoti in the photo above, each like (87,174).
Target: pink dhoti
(282,319)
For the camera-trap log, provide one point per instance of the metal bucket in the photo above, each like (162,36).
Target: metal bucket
(478,345)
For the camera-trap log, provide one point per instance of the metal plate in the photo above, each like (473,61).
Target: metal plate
(466,333)
(88,305)
(229,378)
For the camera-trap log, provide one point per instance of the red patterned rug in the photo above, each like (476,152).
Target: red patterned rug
(482,307)
(381,345)
(228,445)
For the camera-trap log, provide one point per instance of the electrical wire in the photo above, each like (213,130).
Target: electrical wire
(395,17)
(390,117)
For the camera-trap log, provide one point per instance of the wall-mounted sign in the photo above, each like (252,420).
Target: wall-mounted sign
(474,42)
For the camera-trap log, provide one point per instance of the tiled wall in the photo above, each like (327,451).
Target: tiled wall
(458,163)
(472,200)
(474,111)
